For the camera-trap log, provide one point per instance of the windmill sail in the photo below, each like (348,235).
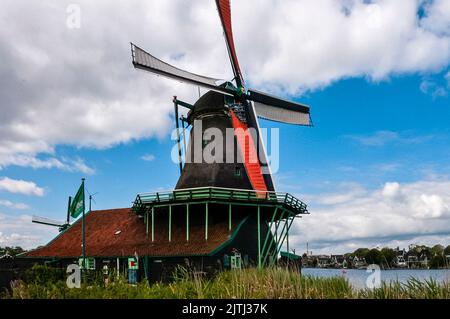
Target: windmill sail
(145,61)
(225,17)
(46,221)
(272,108)
(271,113)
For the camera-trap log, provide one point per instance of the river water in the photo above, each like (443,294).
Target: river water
(359,277)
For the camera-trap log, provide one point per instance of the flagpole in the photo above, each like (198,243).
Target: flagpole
(84,229)
(68,210)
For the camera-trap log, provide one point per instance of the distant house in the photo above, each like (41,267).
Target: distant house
(413,262)
(323,261)
(359,262)
(338,261)
(399,262)
(423,260)
(400,252)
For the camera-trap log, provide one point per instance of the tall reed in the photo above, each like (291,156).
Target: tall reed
(251,283)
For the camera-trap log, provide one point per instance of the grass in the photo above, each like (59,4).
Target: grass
(245,284)
(412,289)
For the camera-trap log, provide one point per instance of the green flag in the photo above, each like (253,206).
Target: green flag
(77,206)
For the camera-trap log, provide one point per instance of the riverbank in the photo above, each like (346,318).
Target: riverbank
(243,284)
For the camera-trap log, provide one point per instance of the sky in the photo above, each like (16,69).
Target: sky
(374,169)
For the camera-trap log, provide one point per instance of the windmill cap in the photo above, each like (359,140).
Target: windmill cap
(210,102)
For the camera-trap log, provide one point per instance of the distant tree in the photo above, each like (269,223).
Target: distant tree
(437,250)
(447,250)
(361,252)
(374,256)
(426,251)
(13,251)
(418,250)
(437,261)
(389,255)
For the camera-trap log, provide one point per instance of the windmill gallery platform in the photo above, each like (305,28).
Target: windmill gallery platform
(200,229)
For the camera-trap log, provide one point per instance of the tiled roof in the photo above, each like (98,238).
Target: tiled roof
(119,232)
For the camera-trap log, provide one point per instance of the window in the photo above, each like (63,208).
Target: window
(89,262)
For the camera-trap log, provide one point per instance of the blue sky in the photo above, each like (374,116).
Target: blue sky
(374,169)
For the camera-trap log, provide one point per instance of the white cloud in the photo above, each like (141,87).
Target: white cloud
(437,18)
(391,189)
(77,86)
(9,204)
(381,138)
(395,211)
(359,38)
(23,160)
(78,165)
(20,231)
(431,206)
(433,89)
(148,157)
(347,192)
(387,167)
(20,187)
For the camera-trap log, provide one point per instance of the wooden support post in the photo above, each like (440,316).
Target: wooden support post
(277,224)
(170,223)
(259,237)
(287,242)
(269,232)
(118,267)
(206,222)
(282,237)
(146,267)
(175,105)
(184,136)
(153,223)
(287,231)
(229,217)
(187,222)
(146,223)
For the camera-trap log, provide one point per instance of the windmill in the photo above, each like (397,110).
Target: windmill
(242,106)
(239,190)
(221,214)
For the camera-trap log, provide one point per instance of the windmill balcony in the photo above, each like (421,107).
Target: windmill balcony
(288,202)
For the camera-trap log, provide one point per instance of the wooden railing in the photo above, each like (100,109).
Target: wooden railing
(220,194)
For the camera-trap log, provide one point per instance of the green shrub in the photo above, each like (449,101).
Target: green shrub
(42,275)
